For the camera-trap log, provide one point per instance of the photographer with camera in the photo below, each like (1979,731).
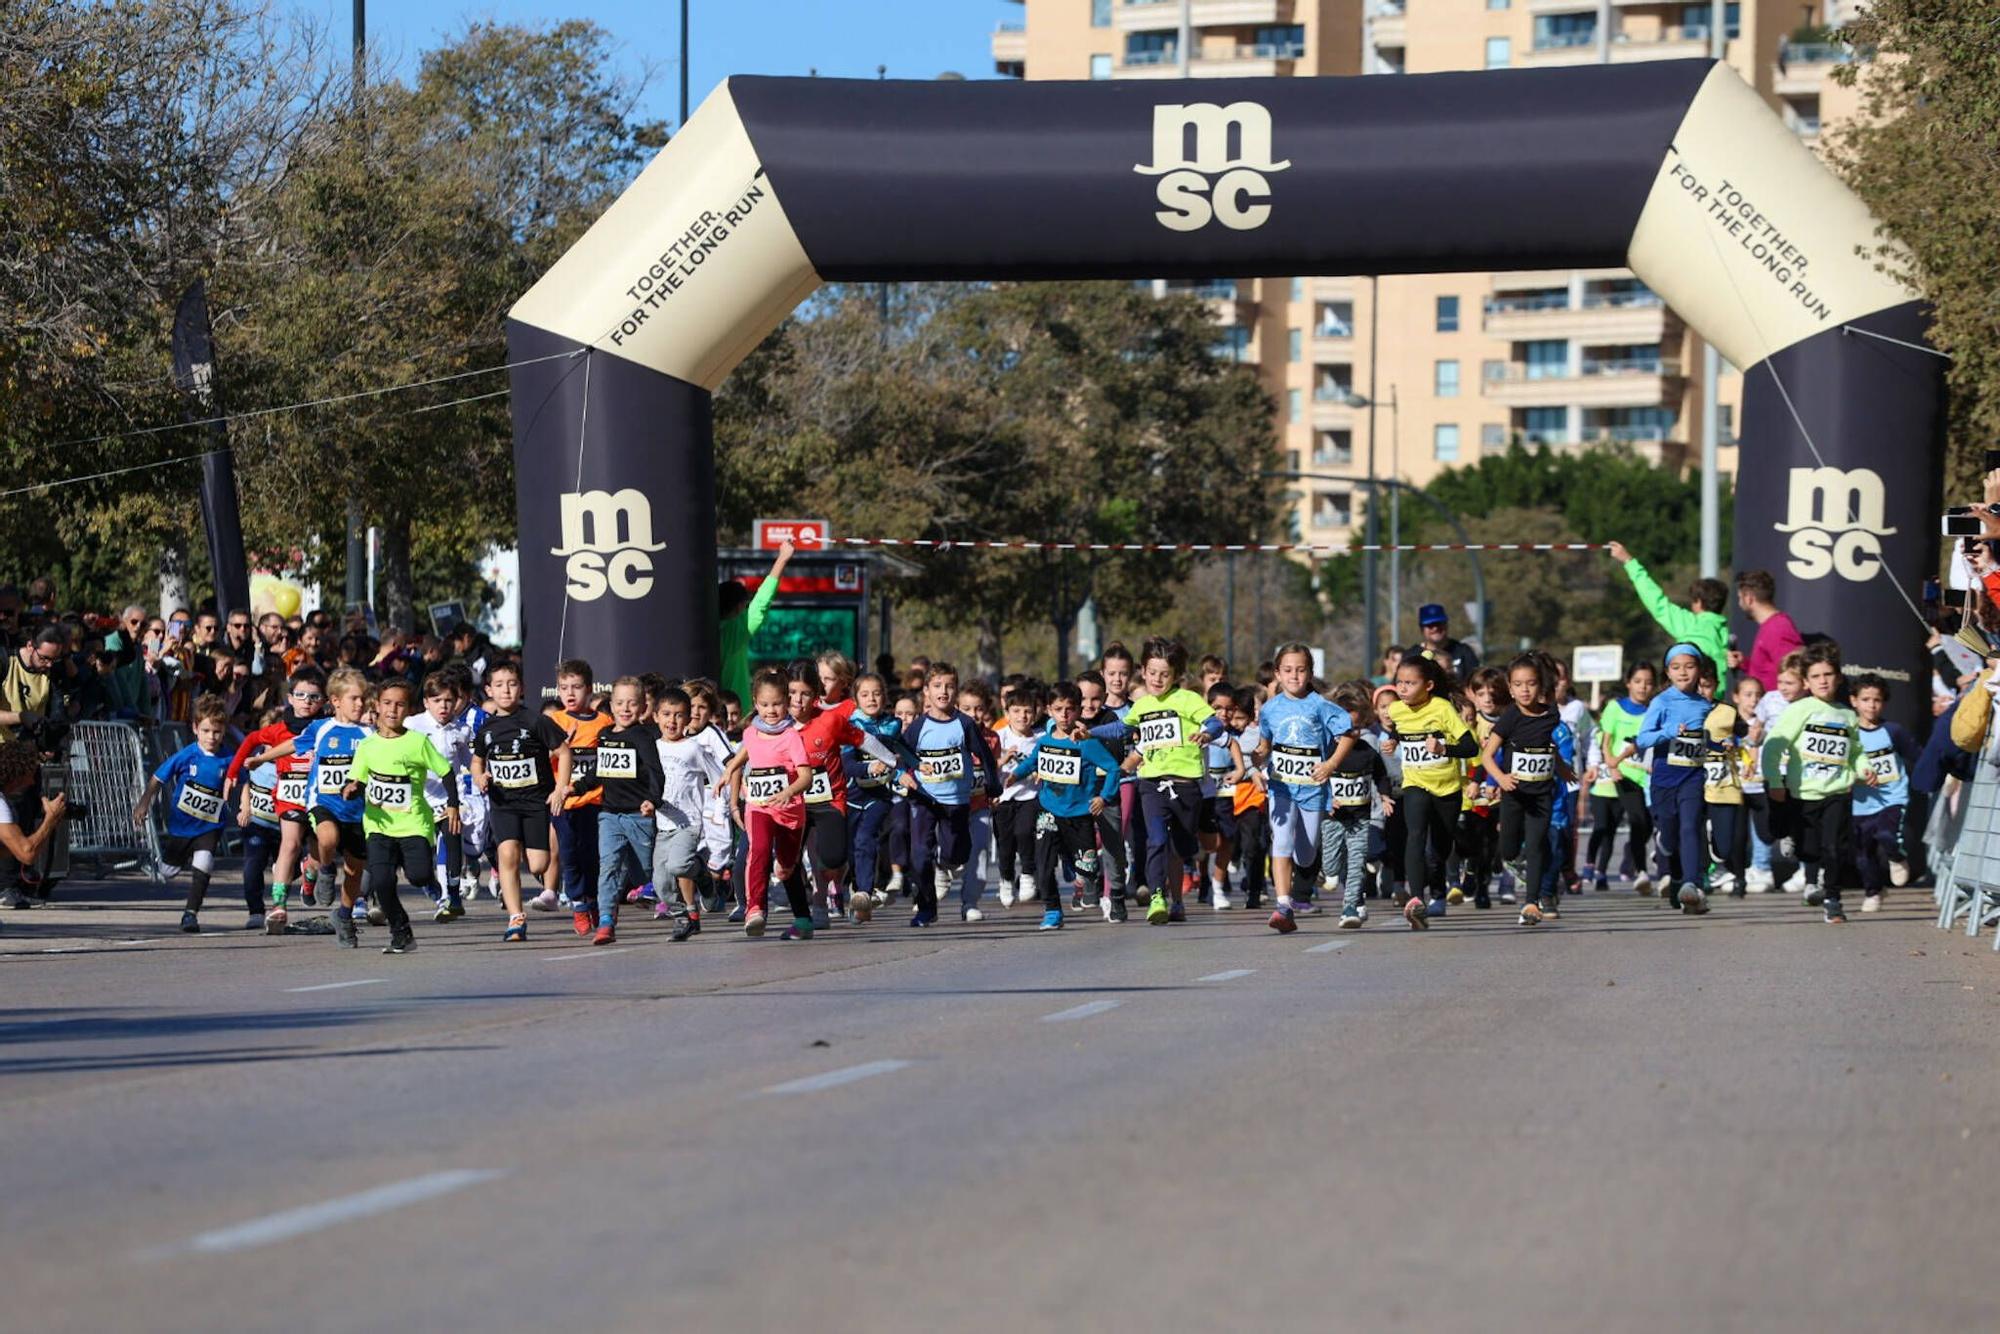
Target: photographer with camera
(28,685)
(27,822)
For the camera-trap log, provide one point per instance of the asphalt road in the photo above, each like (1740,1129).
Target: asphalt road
(1627,1121)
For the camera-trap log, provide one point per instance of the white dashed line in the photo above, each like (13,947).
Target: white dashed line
(1327,948)
(335,986)
(586,954)
(1083,1011)
(312,1217)
(833,1079)
(1229,975)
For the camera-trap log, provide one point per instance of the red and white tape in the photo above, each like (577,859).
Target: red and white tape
(1328,548)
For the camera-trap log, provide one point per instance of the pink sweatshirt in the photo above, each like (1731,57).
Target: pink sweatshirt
(1776,638)
(775,760)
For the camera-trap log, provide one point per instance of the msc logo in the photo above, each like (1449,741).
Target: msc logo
(1836,522)
(1211,183)
(606,537)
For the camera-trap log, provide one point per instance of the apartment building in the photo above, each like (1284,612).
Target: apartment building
(1435,370)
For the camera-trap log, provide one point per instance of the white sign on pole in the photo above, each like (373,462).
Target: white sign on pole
(1597,662)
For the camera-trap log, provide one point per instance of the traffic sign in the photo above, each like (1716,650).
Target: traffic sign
(805,534)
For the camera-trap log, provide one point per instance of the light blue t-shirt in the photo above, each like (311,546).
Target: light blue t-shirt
(944,770)
(332,745)
(1889,761)
(1302,731)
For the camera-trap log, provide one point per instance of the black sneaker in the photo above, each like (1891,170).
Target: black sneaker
(1118,908)
(1481,899)
(401,942)
(1834,916)
(345,933)
(685,927)
(189,924)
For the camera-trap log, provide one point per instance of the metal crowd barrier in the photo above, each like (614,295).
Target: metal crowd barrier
(107,774)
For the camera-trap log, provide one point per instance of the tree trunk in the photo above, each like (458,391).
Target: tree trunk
(398,607)
(987,655)
(172,569)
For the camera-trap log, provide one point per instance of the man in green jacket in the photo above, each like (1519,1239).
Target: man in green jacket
(1702,623)
(739,616)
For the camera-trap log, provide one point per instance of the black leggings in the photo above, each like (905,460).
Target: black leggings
(1014,837)
(1073,836)
(1826,839)
(1111,843)
(417,858)
(1604,813)
(1429,821)
(260,850)
(826,836)
(1524,826)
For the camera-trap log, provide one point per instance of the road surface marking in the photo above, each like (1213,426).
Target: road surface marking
(289,1223)
(1229,975)
(1083,1011)
(833,1079)
(335,986)
(586,954)
(1327,948)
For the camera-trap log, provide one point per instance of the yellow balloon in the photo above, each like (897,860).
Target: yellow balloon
(285,600)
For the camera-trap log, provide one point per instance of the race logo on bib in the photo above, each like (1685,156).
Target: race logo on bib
(200,802)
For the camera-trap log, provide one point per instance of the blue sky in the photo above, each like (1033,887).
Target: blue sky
(916,39)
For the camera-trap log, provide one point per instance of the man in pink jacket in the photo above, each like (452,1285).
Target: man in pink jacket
(1776,635)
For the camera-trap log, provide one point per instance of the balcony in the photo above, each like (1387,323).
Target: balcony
(1562,6)
(1333,407)
(1388,25)
(1153,15)
(1602,317)
(1666,43)
(1228,302)
(1598,383)
(1010,47)
(1803,66)
(1333,289)
(1562,48)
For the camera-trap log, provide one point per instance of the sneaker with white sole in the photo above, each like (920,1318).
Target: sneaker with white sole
(1871,903)
(1218,896)
(1899,875)
(1693,902)
(973,915)
(1351,920)
(1815,895)
(544,901)
(1006,893)
(1796,883)
(1642,884)
(1757,882)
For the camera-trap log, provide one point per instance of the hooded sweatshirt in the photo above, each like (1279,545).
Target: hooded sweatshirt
(1672,728)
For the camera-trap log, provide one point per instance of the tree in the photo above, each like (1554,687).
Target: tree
(1921,154)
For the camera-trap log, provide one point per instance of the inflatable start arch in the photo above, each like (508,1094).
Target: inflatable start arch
(1676,169)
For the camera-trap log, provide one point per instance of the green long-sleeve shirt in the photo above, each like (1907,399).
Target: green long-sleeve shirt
(1706,630)
(1816,745)
(1616,727)
(735,633)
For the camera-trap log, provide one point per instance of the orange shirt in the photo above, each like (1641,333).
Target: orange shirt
(583,733)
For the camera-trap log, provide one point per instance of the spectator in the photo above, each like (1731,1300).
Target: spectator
(273,639)
(42,597)
(1457,655)
(1776,635)
(27,688)
(236,636)
(26,822)
(466,645)
(739,616)
(1700,623)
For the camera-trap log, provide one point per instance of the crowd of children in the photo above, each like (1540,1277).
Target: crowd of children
(1134,787)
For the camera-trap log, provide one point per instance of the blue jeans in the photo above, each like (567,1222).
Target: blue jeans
(864,840)
(617,836)
(1677,817)
(576,832)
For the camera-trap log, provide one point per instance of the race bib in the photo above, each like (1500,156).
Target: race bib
(1687,750)
(1294,765)
(199,802)
(943,766)
(389,793)
(1717,772)
(1414,752)
(617,762)
(582,765)
(1531,766)
(820,790)
(1158,731)
(1824,747)
(332,775)
(1062,767)
(1350,790)
(765,784)
(516,771)
(292,790)
(1885,766)
(263,806)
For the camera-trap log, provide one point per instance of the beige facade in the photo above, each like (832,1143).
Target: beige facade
(1434,370)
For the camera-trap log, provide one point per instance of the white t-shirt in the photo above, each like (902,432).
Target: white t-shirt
(7,813)
(691,768)
(1013,746)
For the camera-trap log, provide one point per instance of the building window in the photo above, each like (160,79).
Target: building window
(1492,436)
(1151,48)
(1496,4)
(1546,358)
(1333,509)
(1444,442)
(1333,449)
(1555,32)
(1336,319)
(1295,404)
(1499,53)
(1286,43)
(1447,314)
(1100,67)
(1447,379)
(1545,426)
(1291,460)
(1492,370)
(1298,289)
(1694,20)
(1234,344)
(1295,344)
(1725,423)
(1100,13)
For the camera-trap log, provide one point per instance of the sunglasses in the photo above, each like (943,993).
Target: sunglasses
(307,694)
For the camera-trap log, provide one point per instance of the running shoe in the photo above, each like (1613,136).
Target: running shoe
(455,902)
(1436,908)
(864,908)
(345,934)
(1603,885)
(1157,911)
(307,897)
(1531,915)
(1481,899)
(685,927)
(1218,896)
(1414,914)
(274,920)
(1795,882)
(882,897)
(1352,919)
(1114,908)
(753,925)
(189,924)
(1641,884)
(1693,902)
(1454,896)
(1815,895)
(1507,896)
(584,922)
(820,917)
(1052,920)
(544,901)
(1899,874)
(662,912)
(443,913)
(1178,912)
(604,935)
(1006,893)
(972,915)
(376,917)
(255,922)
(564,903)
(1758,882)
(1282,920)
(1834,916)
(1550,912)
(736,913)
(401,942)
(516,932)
(922,918)
(800,929)
(1076,898)
(1869,903)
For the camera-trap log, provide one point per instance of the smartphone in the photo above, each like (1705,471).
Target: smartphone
(1992,459)
(1932,593)
(1960,525)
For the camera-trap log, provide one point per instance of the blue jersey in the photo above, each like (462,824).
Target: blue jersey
(332,745)
(1301,731)
(1890,751)
(946,751)
(194,781)
(1069,773)
(862,786)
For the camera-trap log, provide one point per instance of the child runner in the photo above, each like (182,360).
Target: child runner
(1722,791)
(1816,745)
(825,735)
(263,832)
(1098,715)
(908,708)
(774,754)
(1247,803)
(975,701)
(1115,672)
(1074,782)
(305,695)
(950,748)
(1359,775)
(629,780)
(718,831)
(1478,830)
(1784,820)
(1305,739)
(869,783)
(388,772)
(687,766)
(1616,727)
(1218,802)
(1881,807)
(1167,724)
(194,779)
(335,817)
(1016,813)
(1755,827)
(576,826)
(1673,729)
(520,761)
(449,724)
(1531,782)
(1432,742)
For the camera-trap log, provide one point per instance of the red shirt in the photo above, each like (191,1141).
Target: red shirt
(824,736)
(267,738)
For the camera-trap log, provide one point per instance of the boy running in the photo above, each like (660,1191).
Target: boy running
(1074,782)
(520,761)
(194,779)
(1816,745)
(388,773)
